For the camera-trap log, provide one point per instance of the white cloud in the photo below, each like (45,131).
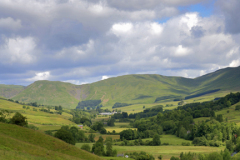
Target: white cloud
(19,50)
(121,28)
(104,77)
(156,28)
(234,63)
(190,19)
(40,76)
(181,51)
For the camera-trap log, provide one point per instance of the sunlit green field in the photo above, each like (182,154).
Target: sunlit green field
(36,117)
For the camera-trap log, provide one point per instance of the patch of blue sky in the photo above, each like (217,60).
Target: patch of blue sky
(204,9)
(163,20)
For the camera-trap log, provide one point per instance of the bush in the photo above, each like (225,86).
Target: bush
(200,141)
(19,119)
(186,144)
(237,107)
(65,136)
(86,147)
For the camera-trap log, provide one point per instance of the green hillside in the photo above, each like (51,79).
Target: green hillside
(53,93)
(132,89)
(9,91)
(22,143)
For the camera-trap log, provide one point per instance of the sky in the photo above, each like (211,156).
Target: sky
(84,41)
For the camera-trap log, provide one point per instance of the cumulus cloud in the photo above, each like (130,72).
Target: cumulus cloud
(40,76)
(80,41)
(18,50)
(104,77)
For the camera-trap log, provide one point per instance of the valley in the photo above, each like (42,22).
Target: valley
(173,117)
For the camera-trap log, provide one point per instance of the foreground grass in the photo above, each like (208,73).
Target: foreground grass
(23,143)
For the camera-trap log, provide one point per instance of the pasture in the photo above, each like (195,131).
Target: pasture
(35,116)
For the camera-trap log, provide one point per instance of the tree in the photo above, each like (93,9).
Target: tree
(219,118)
(160,157)
(98,147)
(156,140)
(91,137)
(3,115)
(19,119)
(86,147)
(111,122)
(65,135)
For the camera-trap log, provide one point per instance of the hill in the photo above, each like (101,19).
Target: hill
(131,89)
(22,143)
(9,91)
(35,116)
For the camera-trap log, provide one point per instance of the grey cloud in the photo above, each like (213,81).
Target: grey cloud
(197,31)
(230,10)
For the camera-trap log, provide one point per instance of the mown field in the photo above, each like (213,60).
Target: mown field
(167,151)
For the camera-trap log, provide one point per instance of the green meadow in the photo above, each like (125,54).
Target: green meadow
(22,143)
(167,151)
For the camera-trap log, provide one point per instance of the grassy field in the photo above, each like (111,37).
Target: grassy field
(173,149)
(172,140)
(44,121)
(22,143)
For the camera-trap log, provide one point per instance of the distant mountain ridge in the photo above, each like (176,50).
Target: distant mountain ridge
(129,88)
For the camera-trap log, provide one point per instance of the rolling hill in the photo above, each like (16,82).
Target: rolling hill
(22,143)
(9,91)
(130,89)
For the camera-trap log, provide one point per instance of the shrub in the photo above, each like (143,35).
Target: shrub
(65,136)
(86,147)
(186,144)
(19,119)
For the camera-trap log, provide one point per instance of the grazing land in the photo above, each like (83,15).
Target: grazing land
(22,143)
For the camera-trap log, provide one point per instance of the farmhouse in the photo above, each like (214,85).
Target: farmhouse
(81,126)
(107,113)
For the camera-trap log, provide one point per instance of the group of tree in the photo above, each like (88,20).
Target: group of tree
(90,104)
(98,147)
(223,155)
(81,117)
(73,135)
(98,126)
(180,122)
(118,105)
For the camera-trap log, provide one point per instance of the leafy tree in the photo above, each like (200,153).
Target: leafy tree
(91,137)
(86,147)
(19,119)
(65,135)
(111,122)
(229,145)
(98,147)
(219,118)
(160,157)
(156,140)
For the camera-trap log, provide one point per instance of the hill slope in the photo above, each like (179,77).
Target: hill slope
(9,91)
(130,89)
(22,143)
